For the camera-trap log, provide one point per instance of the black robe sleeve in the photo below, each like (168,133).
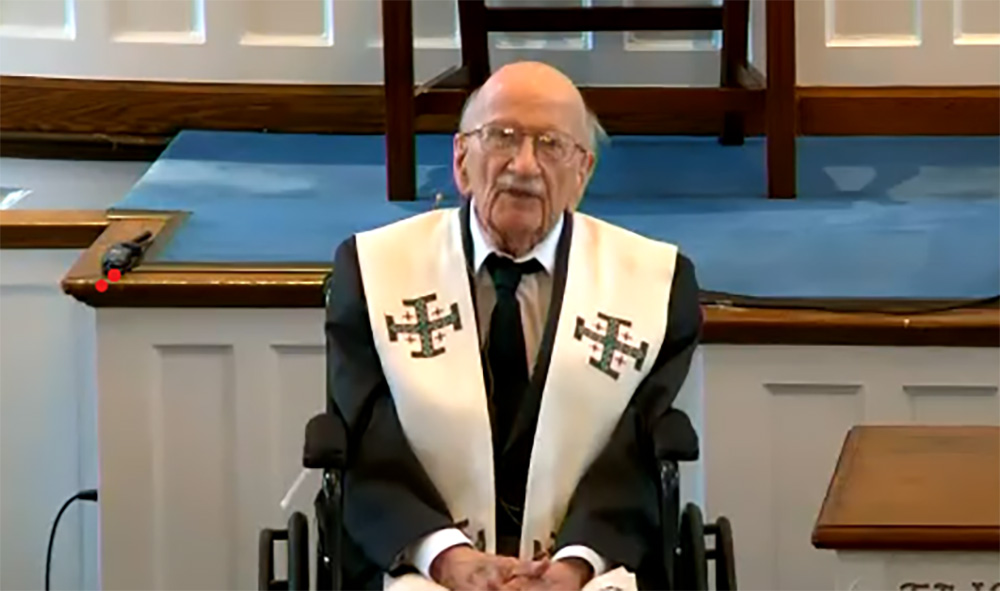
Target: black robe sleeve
(615,507)
(389,501)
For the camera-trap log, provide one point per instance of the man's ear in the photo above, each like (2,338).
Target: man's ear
(587,171)
(460,153)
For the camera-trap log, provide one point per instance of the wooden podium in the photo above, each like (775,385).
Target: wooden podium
(914,508)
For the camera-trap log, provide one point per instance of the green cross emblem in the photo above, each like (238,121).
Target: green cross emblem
(428,325)
(611,347)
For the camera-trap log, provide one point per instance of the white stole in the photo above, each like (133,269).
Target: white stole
(415,276)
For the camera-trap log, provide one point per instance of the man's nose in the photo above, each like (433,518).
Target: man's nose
(525,160)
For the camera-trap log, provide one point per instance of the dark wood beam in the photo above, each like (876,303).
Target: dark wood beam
(400,143)
(781,116)
(972,110)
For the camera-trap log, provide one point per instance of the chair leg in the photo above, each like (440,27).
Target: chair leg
(397,51)
(735,19)
(475,40)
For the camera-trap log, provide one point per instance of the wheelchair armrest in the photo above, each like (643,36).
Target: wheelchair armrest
(326,443)
(674,438)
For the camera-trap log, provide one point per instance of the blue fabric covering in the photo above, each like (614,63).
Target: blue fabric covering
(876,217)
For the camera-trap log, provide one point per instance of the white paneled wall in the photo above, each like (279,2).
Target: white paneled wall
(775,420)
(48,424)
(48,383)
(898,42)
(201,426)
(202,414)
(319,41)
(853,42)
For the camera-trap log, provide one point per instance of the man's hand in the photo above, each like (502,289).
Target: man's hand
(462,568)
(569,574)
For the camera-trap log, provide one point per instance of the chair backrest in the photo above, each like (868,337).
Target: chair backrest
(326,443)
(674,438)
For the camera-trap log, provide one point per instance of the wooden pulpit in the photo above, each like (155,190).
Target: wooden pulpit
(914,508)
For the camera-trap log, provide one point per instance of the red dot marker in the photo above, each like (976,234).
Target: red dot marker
(114,275)
(102,285)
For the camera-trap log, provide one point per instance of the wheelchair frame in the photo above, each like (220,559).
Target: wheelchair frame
(685,559)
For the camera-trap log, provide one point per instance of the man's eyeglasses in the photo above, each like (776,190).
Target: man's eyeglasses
(551,146)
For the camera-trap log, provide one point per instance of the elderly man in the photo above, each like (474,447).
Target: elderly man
(499,365)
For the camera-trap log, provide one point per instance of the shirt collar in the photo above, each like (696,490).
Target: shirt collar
(544,251)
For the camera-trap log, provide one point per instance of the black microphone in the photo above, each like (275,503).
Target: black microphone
(125,255)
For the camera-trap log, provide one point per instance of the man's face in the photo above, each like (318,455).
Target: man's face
(526,162)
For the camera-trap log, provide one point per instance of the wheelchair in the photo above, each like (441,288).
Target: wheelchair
(686,555)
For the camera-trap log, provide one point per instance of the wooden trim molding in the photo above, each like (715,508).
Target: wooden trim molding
(99,119)
(972,327)
(81,146)
(50,228)
(225,286)
(914,488)
(161,109)
(77,119)
(972,110)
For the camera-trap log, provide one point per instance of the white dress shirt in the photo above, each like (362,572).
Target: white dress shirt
(534,294)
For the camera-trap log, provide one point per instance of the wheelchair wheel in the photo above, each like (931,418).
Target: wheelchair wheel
(725,557)
(298,552)
(692,561)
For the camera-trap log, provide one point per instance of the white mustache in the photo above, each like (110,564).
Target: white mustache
(511,184)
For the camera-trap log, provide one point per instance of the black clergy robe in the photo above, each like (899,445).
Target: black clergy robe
(390,502)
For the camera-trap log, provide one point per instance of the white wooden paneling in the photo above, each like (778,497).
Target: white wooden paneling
(157,21)
(797,483)
(891,23)
(315,41)
(772,421)
(48,446)
(305,23)
(912,571)
(192,465)
(775,421)
(202,418)
(839,42)
(48,382)
(40,19)
(201,421)
(977,22)
(897,42)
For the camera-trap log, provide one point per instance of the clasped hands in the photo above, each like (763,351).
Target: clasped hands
(462,568)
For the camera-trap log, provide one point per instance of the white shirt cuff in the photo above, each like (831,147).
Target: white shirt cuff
(425,550)
(585,553)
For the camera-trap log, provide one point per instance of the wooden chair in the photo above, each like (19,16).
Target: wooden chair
(403,104)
